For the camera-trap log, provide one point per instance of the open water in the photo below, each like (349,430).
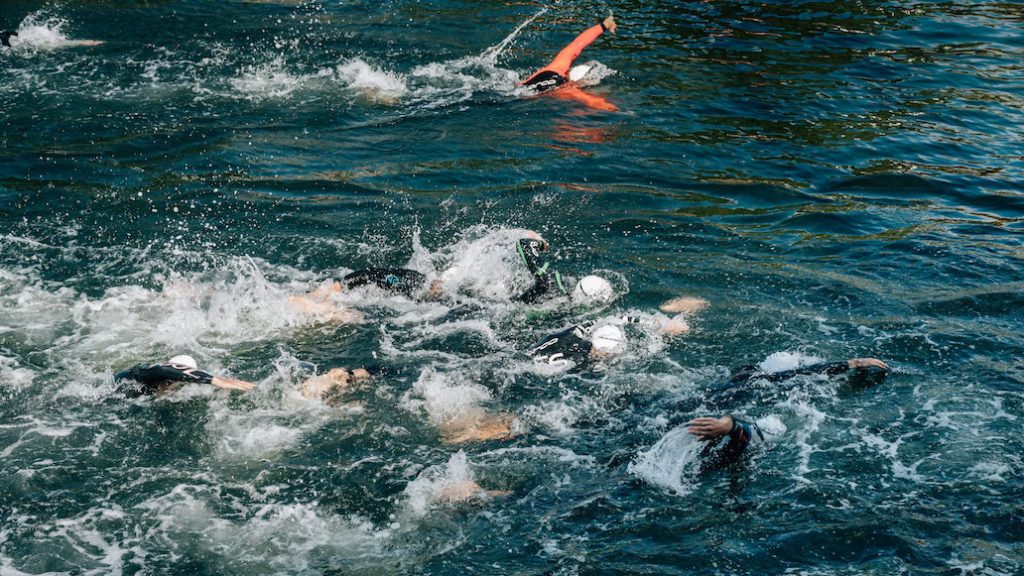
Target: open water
(839,179)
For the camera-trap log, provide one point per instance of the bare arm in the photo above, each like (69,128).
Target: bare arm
(232,383)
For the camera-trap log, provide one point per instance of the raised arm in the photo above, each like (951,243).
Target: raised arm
(563,61)
(529,250)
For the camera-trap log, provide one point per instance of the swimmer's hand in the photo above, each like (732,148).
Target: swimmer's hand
(609,24)
(536,236)
(710,428)
(867,363)
(232,384)
(684,305)
(675,326)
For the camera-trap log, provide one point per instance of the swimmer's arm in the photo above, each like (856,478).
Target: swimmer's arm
(529,250)
(231,383)
(675,326)
(827,369)
(707,429)
(684,305)
(563,61)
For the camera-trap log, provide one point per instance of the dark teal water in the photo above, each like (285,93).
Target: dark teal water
(838,179)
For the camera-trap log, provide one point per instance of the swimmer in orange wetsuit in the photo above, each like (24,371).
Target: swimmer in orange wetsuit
(560,75)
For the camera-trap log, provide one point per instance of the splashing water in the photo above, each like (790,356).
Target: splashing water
(672,463)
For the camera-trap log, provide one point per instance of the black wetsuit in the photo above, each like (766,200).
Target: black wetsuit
(150,378)
(530,251)
(571,345)
(5,38)
(730,447)
(739,388)
(399,280)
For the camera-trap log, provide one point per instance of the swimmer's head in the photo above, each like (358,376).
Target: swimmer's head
(592,290)
(580,72)
(185,360)
(608,340)
(5,38)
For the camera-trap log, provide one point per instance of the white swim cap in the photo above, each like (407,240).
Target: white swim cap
(579,72)
(592,289)
(608,339)
(185,360)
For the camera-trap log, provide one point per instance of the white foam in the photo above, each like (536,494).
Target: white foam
(447,398)
(485,264)
(370,82)
(672,463)
(781,361)
(282,537)
(268,80)
(420,494)
(12,375)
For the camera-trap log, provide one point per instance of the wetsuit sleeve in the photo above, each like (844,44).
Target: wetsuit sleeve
(155,374)
(529,251)
(825,368)
(739,438)
(401,280)
(568,345)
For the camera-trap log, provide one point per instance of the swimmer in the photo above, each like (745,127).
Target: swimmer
(588,342)
(729,436)
(5,38)
(467,491)
(329,385)
(480,427)
(589,290)
(400,281)
(562,76)
(414,285)
(166,377)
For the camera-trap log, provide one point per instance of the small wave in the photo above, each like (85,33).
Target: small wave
(781,361)
(372,83)
(672,463)
(13,375)
(423,492)
(447,399)
(42,32)
(268,80)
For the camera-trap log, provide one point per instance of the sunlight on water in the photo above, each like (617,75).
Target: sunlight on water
(836,180)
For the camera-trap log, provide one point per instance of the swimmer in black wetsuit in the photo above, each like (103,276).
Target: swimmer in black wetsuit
(729,436)
(559,77)
(165,377)
(586,342)
(168,376)
(402,281)
(549,283)
(5,38)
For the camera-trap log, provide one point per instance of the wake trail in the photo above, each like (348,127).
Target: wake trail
(492,53)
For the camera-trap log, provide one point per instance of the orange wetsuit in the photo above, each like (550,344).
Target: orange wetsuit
(555,74)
